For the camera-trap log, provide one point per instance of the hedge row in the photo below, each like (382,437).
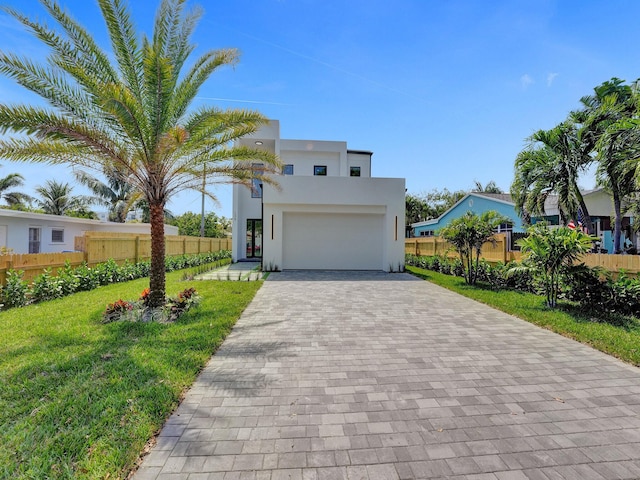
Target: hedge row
(593,289)
(68,280)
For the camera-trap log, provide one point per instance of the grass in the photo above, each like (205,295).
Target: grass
(616,335)
(80,399)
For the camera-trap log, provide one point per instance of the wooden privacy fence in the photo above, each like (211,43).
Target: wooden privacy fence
(98,247)
(428,246)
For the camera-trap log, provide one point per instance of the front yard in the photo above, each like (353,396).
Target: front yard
(79,398)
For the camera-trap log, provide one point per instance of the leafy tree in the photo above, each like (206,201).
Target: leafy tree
(416,209)
(189,224)
(468,234)
(551,164)
(116,193)
(490,187)
(55,198)
(549,253)
(129,110)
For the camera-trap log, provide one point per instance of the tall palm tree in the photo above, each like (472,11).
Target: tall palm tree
(56,198)
(13,198)
(116,193)
(129,110)
(551,164)
(610,127)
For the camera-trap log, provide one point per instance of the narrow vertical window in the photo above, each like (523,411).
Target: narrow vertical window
(256,183)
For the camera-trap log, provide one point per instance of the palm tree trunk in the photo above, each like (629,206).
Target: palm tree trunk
(157,271)
(617,224)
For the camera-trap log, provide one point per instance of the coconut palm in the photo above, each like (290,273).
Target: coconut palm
(116,193)
(551,165)
(490,187)
(611,128)
(13,198)
(129,110)
(55,198)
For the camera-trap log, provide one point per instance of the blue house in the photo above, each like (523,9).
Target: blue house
(477,203)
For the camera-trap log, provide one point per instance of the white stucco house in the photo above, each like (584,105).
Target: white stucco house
(27,232)
(328,214)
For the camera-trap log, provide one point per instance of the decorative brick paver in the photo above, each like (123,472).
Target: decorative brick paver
(360,375)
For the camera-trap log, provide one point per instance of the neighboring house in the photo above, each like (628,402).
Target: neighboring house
(328,212)
(598,203)
(478,203)
(27,232)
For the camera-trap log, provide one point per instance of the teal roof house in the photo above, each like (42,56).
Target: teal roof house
(477,203)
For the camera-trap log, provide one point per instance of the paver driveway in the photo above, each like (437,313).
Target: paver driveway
(383,376)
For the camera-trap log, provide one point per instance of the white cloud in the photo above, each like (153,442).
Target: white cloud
(550,78)
(526,80)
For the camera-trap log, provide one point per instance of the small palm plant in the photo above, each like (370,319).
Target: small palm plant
(468,234)
(550,253)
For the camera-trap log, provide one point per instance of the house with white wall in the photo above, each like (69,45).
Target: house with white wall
(27,232)
(326,213)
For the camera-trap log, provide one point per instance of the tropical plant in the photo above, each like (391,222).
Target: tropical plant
(189,223)
(116,193)
(551,165)
(490,187)
(129,110)
(610,124)
(13,198)
(549,253)
(55,198)
(468,234)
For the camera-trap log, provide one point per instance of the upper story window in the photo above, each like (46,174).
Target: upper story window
(354,171)
(320,170)
(256,183)
(57,235)
(287,169)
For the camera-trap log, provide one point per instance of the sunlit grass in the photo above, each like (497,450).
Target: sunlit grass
(78,398)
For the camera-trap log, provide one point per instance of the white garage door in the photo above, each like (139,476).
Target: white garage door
(332,241)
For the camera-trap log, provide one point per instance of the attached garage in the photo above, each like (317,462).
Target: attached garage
(332,241)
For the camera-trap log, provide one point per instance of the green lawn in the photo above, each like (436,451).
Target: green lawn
(78,398)
(618,335)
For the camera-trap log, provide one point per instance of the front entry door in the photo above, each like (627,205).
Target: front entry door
(254,238)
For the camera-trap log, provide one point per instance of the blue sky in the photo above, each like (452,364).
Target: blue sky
(443,93)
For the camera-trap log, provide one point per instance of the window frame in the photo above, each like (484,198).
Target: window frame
(319,168)
(54,230)
(354,169)
(286,167)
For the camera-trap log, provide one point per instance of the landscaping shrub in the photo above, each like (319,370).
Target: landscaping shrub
(46,287)
(68,280)
(15,292)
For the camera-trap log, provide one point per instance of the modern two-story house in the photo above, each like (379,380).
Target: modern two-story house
(328,212)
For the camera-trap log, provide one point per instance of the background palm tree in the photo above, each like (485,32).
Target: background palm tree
(116,193)
(610,128)
(13,198)
(551,164)
(129,110)
(490,187)
(55,198)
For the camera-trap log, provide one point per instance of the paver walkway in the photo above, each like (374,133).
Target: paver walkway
(333,375)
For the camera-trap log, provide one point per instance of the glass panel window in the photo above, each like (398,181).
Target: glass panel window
(256,183)
(354,171)
(320,170)
(57,235)
(287,169)
(34,239)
